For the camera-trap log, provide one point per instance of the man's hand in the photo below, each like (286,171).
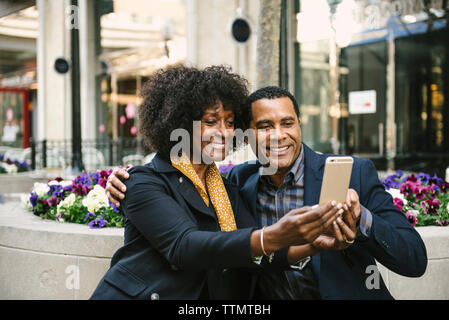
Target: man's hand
(352,209)
(343,231)
(341,238)
(301,226)
(114,184)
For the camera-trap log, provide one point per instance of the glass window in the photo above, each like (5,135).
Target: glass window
(314,95)
(421,86)
(11,124)
(366,72)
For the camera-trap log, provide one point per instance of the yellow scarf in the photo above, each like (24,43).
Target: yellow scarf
(215,186)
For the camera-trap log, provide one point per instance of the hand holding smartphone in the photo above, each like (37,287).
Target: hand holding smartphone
(336,178)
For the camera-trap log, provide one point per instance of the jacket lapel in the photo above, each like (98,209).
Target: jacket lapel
(313,176)
(183,185)
(192,197)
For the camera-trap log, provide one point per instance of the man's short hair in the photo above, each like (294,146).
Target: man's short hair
(270,92)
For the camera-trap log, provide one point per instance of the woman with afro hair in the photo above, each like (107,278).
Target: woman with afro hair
(188,233)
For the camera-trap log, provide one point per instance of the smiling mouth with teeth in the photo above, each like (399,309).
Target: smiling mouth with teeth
(278,150)
(217,145)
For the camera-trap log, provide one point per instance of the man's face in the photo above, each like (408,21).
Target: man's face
(278,134)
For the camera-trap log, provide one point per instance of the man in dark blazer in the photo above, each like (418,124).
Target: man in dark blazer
(383,233)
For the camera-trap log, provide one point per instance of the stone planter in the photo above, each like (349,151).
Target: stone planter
(23,181)
(434,284)
(44,259)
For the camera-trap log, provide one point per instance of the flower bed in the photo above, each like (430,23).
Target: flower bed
(82,200)
(12,166)
(423,199)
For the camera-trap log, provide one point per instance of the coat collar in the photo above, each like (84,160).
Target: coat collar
(182,184)
(162,165)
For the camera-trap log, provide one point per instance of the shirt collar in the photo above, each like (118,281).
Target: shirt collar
(297,170)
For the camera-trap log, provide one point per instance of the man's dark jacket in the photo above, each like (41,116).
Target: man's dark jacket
(393,241)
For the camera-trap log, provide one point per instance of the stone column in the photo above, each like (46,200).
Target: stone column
(88,68)
(54,89)
(268,43)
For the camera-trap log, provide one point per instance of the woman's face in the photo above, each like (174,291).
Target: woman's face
(217,132)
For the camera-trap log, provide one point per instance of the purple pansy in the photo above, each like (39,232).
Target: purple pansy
(411,218)
(114,207)
(420,192)
(53,201)
(408,188)
(33,199)
(433,206)
(98,223)
(88,215)
(442,223)
(398,203)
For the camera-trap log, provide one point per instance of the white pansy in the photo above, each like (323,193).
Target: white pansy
(40,189)
(10,168)
(96,199)
(66,203)
(447,207)
(69,201)
(53,182)
(396,193)
(65,183)
(25,200)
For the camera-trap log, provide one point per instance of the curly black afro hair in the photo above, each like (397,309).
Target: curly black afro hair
(176,96)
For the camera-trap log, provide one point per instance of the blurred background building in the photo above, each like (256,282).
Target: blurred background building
(370,76)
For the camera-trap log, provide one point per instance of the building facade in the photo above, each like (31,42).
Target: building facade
(370,76)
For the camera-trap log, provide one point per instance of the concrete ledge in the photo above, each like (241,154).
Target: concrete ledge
(23,181)
(44,259)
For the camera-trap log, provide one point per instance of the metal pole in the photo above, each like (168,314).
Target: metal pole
(33,154)
(44,153)
(77,159)
(283,48)
(391,122)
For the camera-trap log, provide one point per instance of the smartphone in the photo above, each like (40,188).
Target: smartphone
(337,174)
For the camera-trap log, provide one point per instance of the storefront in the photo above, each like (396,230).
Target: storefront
(17,93)
(391,80)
